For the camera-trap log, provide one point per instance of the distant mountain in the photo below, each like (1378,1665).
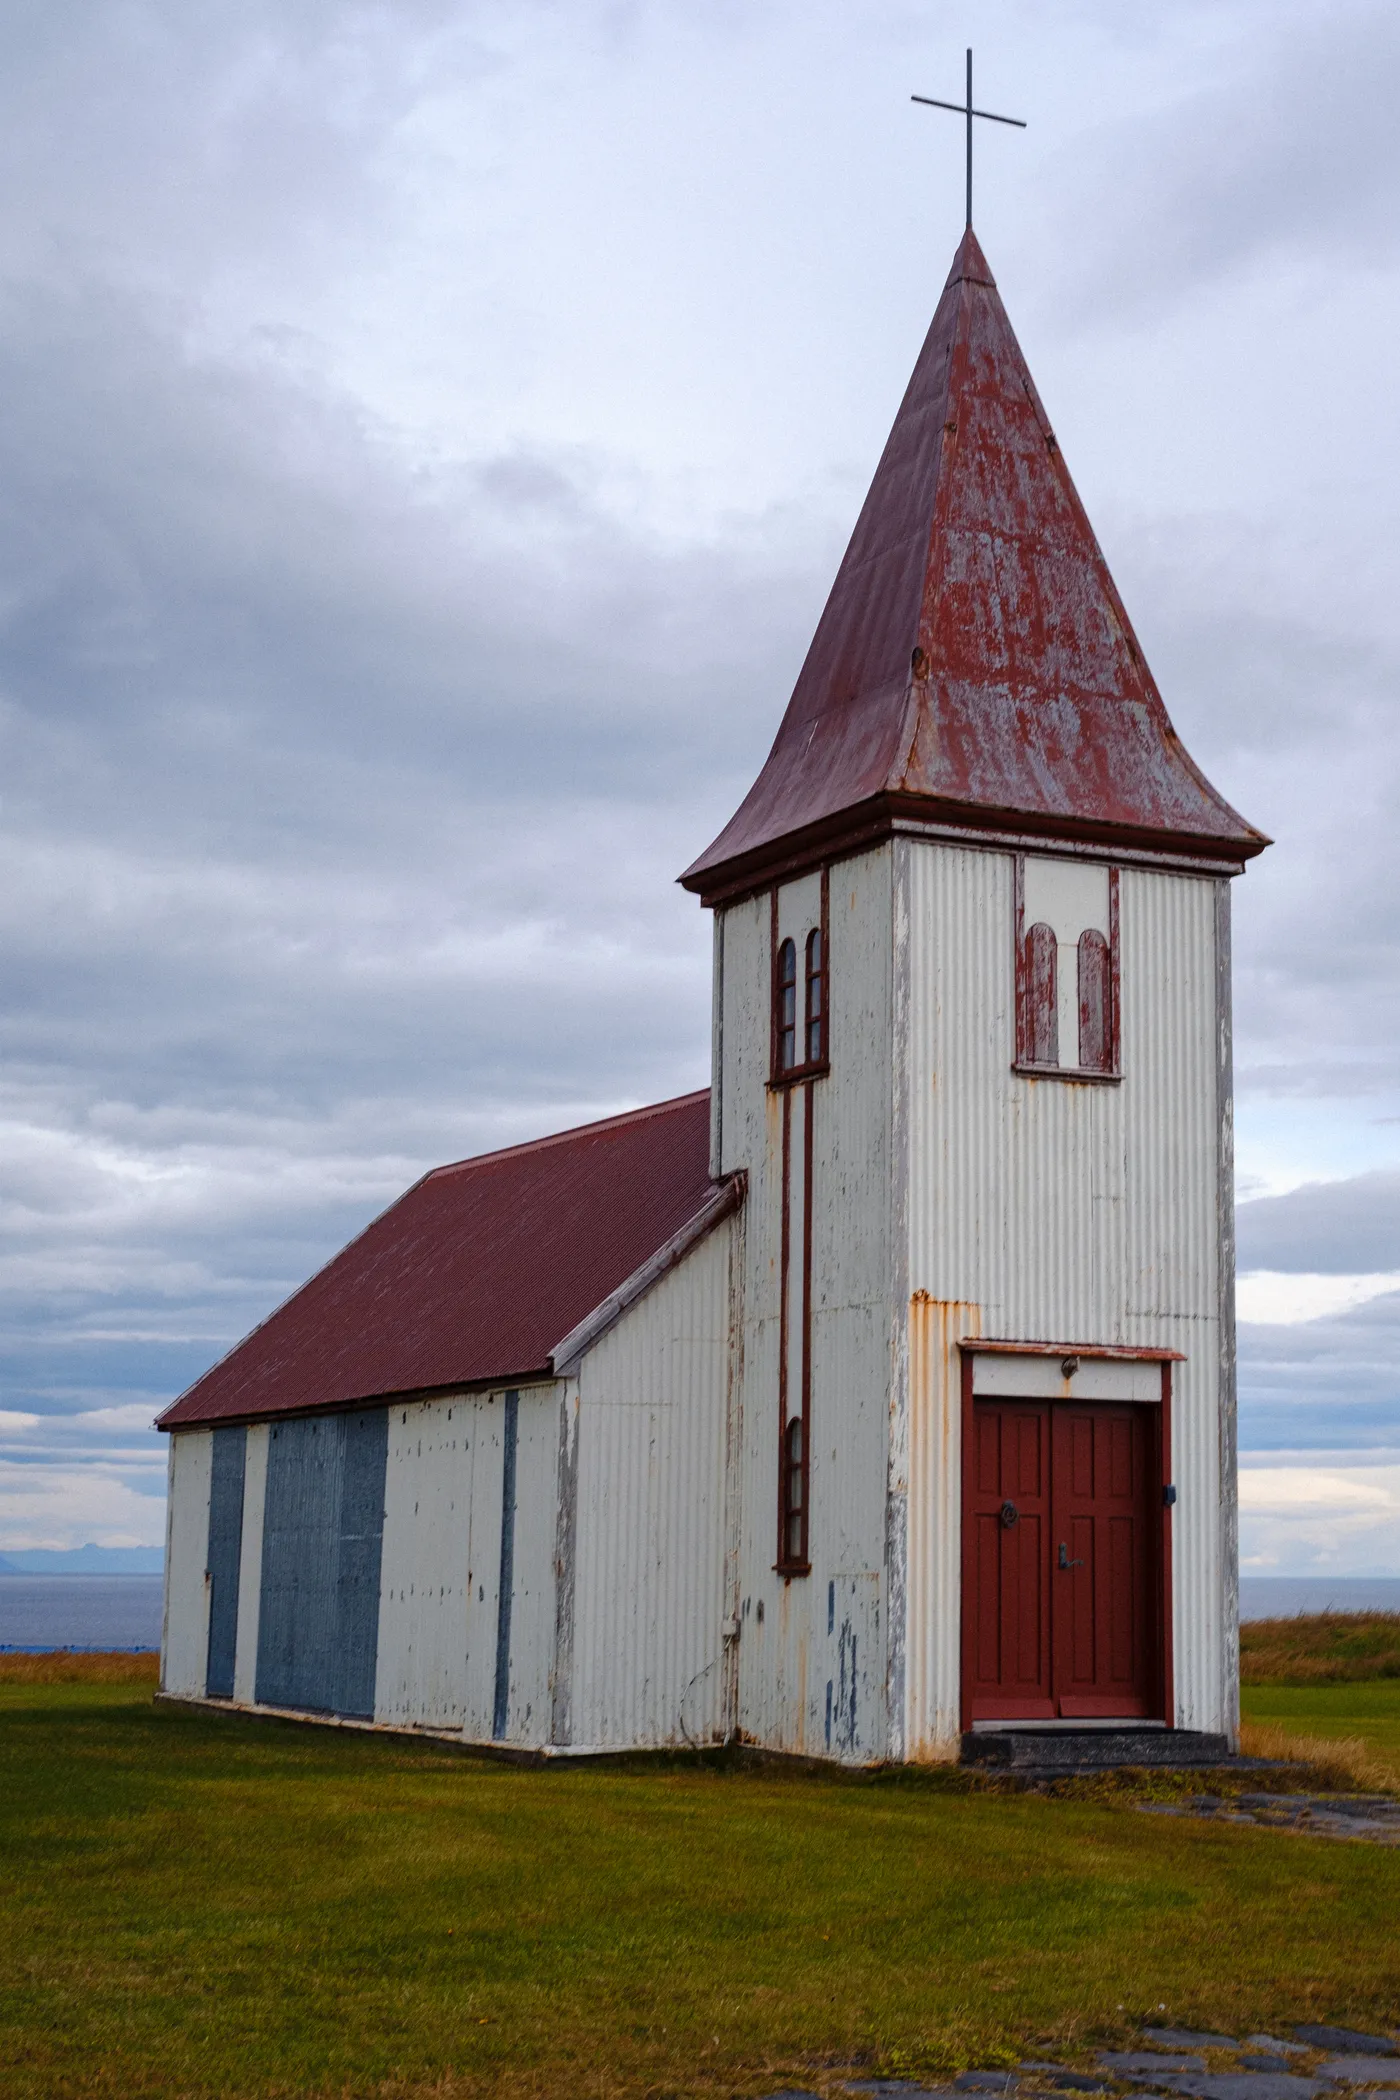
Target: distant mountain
(82,1560)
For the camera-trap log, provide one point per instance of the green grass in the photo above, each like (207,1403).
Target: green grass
(1368,1714)
(1329,1647)
(204,1905)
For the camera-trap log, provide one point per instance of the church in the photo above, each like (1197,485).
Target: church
(878,1403)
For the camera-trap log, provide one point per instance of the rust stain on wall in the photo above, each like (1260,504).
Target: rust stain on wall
(936,1326)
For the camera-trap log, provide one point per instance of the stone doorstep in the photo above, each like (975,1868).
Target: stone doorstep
(1061,1752)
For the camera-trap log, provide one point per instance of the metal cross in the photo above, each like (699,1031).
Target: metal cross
(965,109)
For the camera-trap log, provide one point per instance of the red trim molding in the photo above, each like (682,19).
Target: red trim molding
(1166,1616)
(983,1345)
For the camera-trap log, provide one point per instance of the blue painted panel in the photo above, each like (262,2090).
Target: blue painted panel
(360,1546)
(225,1547)
(323,1529)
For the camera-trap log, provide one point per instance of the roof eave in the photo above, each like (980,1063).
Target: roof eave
(855,830)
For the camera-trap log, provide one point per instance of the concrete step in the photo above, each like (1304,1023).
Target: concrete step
(1060,1751)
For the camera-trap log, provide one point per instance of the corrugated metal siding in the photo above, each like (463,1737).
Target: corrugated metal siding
(648,1584)
(322,1532)
(531,1660)
(1175,1257)
(827,1629)
(245,1670)
(185,1634)
(1044,1210)
(439,1618)
(224,1557)
(442,1544)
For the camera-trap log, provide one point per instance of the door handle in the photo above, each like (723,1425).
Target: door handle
(1065,1561)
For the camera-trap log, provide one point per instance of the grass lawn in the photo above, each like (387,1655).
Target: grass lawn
(1368,1714)
(206,1905)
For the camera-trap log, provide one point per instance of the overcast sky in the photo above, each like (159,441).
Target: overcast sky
(427,436)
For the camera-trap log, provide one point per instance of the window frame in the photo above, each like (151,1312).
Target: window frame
(805,1068)
(1022,1061)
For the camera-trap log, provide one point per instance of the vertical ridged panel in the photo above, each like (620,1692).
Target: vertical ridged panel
(812,1669)
(532,1617)
(648,1585)
(442,1545)
(439,1611)
(1046,1210)
(225,1556)
(185,1633)
(1175,1256)
(245,1668)
(322,1532)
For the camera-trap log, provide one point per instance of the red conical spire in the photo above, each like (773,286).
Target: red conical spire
(974,669)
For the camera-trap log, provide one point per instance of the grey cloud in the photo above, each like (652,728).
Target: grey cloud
(1331,1228)
(1289,151)
(1332,1384)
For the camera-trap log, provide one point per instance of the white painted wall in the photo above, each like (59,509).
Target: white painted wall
(440,1564)
(645,1645)
(814,1628)
(532,1605)
(184,1659)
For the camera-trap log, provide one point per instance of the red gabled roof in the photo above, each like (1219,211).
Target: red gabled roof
(474,1275)
(974,666)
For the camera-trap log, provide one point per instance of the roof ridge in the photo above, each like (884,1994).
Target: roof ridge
(561,1137)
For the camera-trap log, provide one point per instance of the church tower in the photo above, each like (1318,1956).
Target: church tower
(972,1053)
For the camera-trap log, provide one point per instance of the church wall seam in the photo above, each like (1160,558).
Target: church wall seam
(1228,1401)
(565,1568)
(902,1731)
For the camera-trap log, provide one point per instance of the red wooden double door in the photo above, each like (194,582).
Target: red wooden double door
(1062,1574)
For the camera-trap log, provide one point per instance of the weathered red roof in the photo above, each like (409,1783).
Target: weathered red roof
(476,1274)
(974,666)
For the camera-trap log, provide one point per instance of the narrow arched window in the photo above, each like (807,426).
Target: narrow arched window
(1042,1012)
(1095,1002)
(794,1455)
(816,998)
(785,1007)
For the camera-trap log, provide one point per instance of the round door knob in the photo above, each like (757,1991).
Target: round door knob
(1009,1514)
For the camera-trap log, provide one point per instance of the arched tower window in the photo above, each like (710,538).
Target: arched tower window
(793,1545)
(816,998)
(1095,1002)
(1042,999)
(785,1015)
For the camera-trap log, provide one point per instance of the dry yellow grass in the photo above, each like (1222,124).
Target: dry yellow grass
(76,1666)
(1333,1761)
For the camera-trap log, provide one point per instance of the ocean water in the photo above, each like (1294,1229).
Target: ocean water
(80,1611)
